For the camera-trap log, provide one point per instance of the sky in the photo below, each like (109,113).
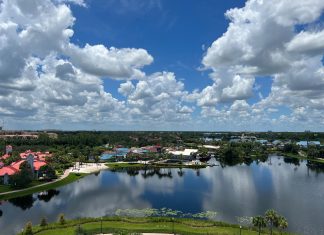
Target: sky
(226,65)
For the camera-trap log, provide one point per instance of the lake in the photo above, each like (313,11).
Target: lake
(293,189)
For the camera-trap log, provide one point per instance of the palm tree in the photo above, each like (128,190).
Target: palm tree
(97,159)
(259,221)
(271,217)
(283,223)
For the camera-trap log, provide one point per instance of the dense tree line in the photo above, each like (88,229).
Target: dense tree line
(127,138)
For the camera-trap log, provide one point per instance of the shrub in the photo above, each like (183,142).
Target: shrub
(61,219)
(43,222)
(28,229)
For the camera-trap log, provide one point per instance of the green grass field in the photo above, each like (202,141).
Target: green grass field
(297,156)
(120,225)
(69,179)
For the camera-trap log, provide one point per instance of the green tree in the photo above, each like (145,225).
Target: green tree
(28,229)
(82,159)
(260,222)
(23,178)
(43,222)
(61,219)
(291,148)
(49,172)
(313,152)
(282,223)
(272,218)
(13,158)
(96,159)
(203,151)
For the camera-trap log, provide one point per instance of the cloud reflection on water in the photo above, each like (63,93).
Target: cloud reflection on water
(241,190)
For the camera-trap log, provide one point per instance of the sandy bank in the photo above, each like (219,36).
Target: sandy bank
(88,168)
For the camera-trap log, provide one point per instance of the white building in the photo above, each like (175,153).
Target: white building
(186,152)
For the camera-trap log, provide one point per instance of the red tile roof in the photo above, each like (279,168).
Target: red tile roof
(39,155)
(39,161)
(38,164)
(8,170)
(5,156)
(17,164)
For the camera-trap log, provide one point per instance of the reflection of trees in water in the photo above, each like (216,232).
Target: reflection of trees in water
(247,160)
(132,172)
(292,160)
(229,161)
(47,195)
(180,172)
(233,161)
(317,167)
(24,202)
(161,173)
(1,213)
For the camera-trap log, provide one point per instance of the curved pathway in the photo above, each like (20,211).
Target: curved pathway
(85,168)
(66,173)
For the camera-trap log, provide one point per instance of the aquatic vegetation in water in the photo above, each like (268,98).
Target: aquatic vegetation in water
(245,220)
(210,215)
(164,212)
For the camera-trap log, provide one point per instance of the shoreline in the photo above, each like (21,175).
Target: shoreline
(89,168)
(75,173)
(70,175)
(135,165)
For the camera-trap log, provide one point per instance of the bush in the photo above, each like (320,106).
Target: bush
(43,222)
(48,171)
(23,178)
(28,229)
(62,219)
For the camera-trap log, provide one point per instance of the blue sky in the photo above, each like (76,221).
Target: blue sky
(173,32)
(162,65)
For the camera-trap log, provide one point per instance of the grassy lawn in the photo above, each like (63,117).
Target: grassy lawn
(5,188)
(69,179)
(292,155)
(8,188)
(128,225)
(116,166)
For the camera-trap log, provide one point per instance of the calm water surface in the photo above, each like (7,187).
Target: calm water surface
(242,190)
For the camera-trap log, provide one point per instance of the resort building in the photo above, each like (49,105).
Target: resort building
(35,159)
(184,153)
(305,143)
(211,147)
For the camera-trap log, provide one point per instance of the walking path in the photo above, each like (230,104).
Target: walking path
(66,173)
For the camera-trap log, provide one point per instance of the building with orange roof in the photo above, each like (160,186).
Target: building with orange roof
(4,157)
(35,159)
(7,171)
